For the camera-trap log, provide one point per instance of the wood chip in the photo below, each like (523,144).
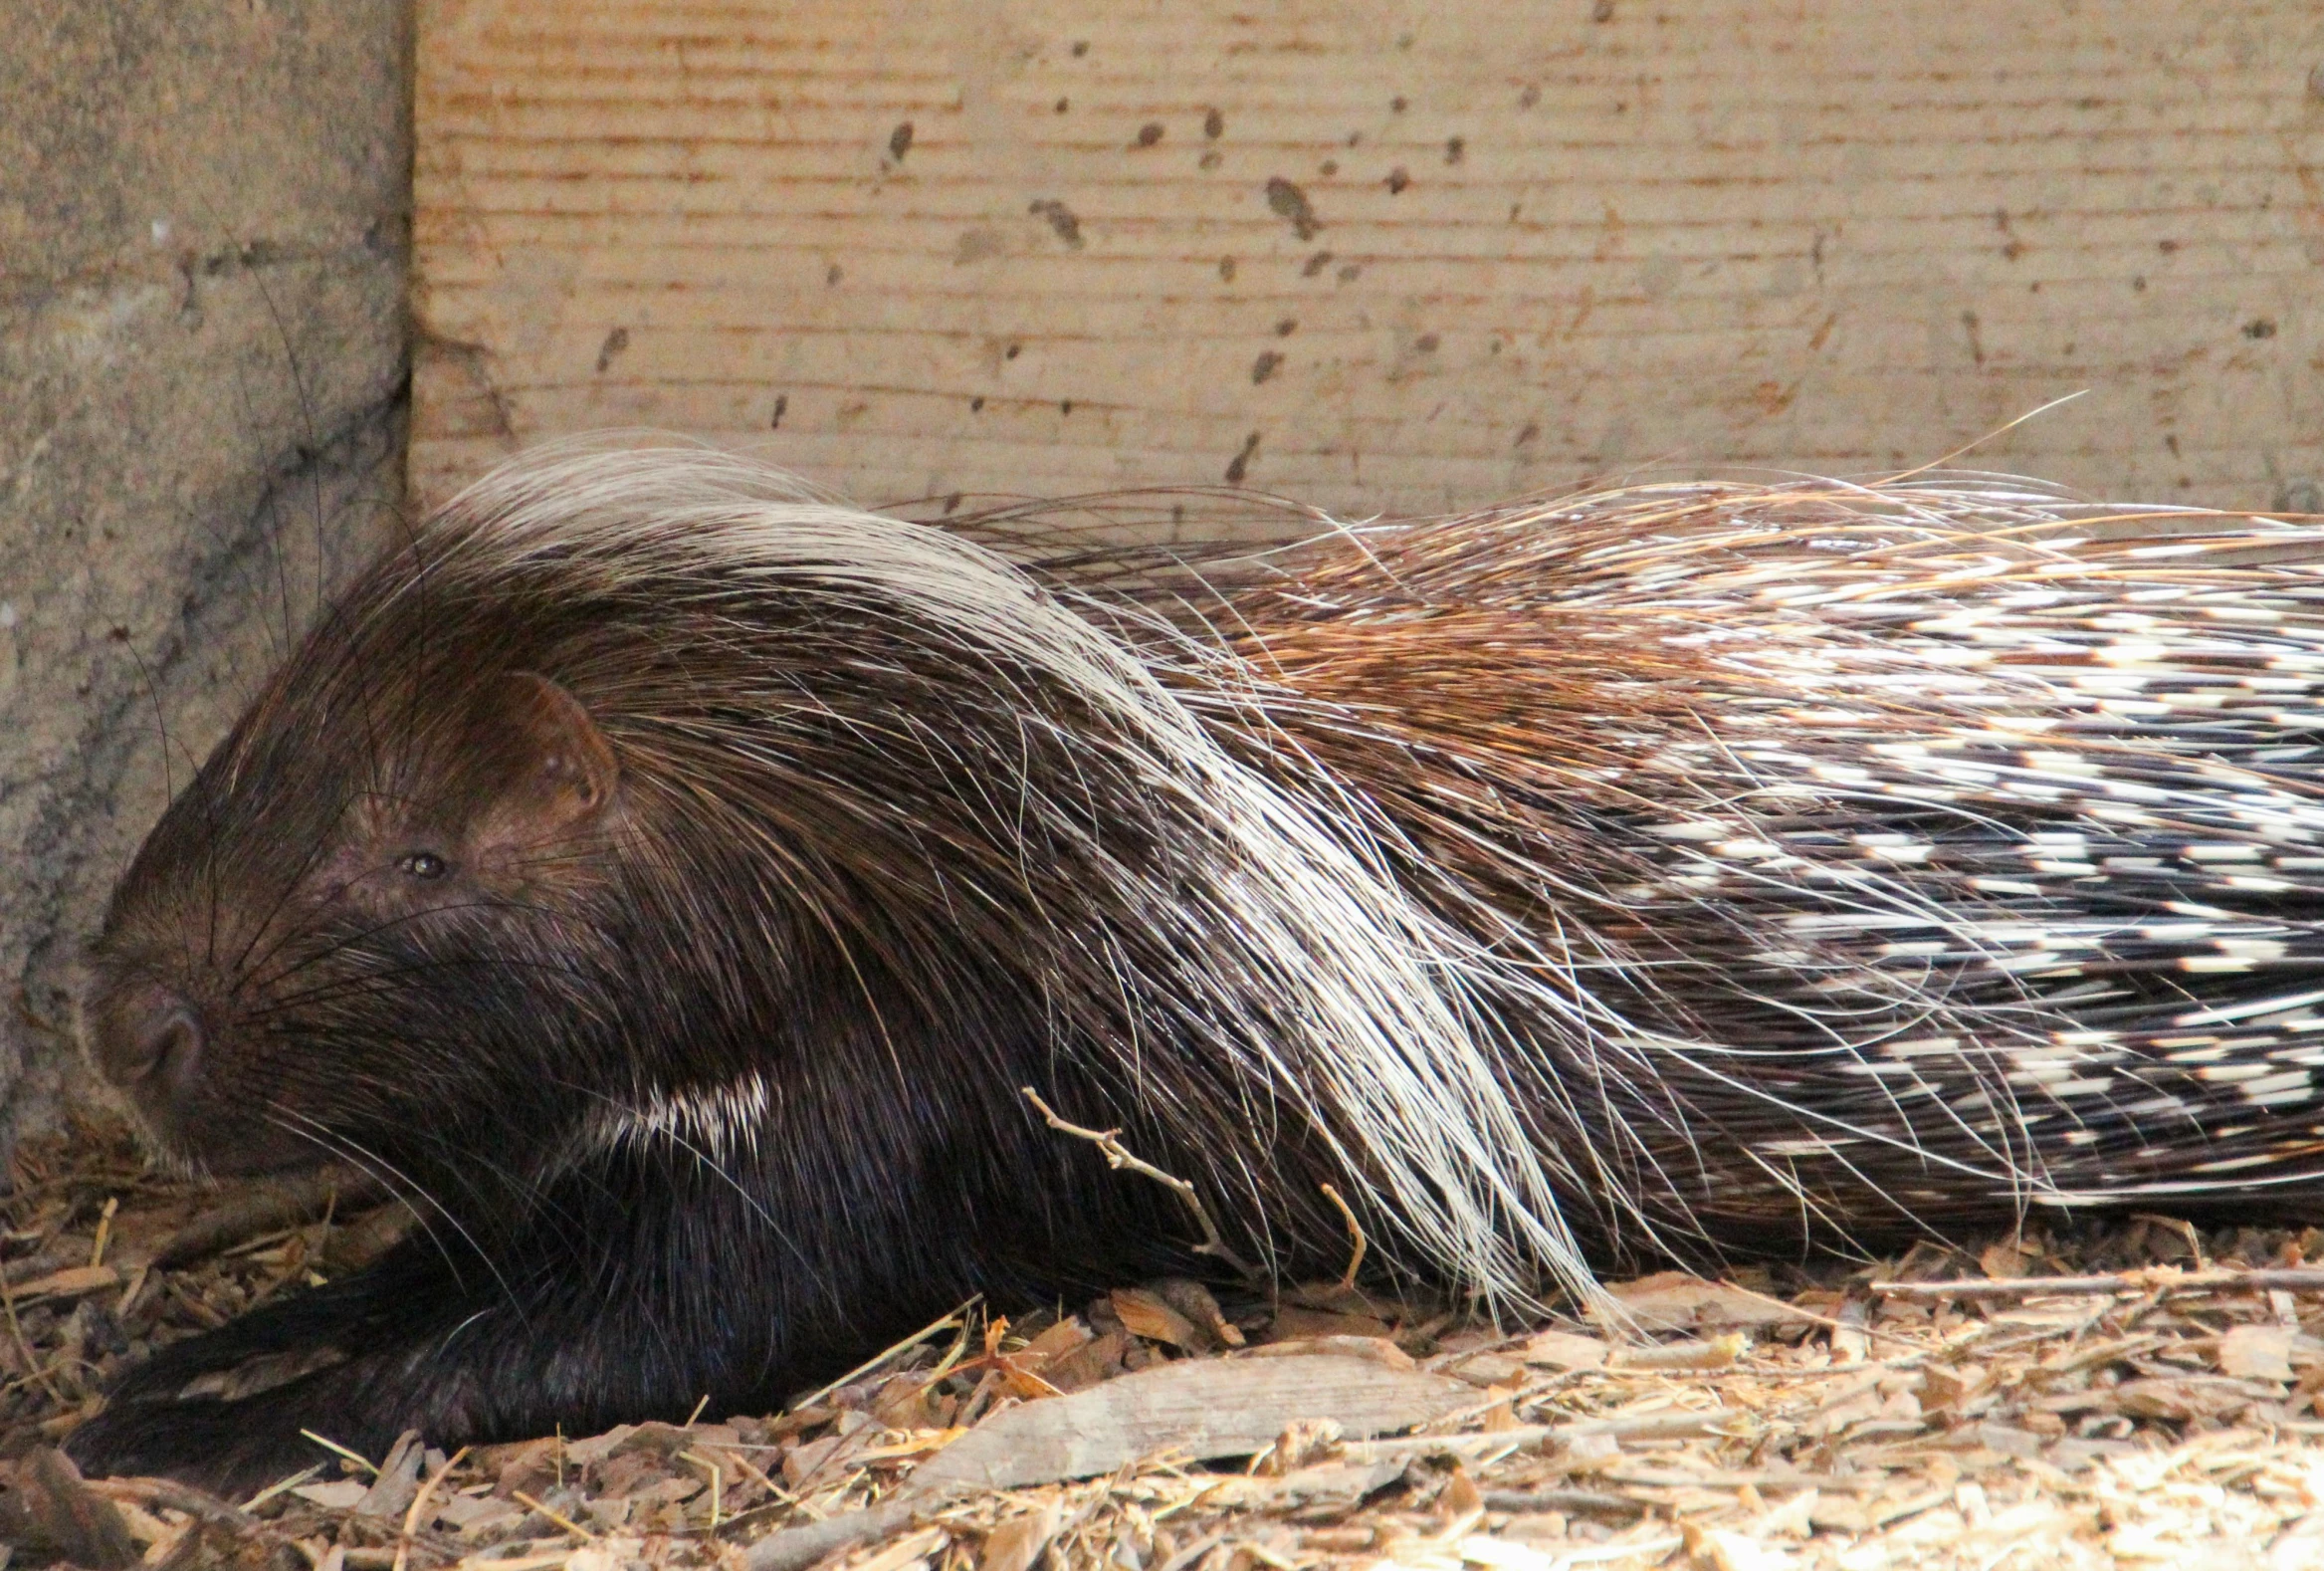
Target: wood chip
(2027,1424)
(1017,1542)
(2256,1352)
(1201,1408)
(2190,1397)
(1678,1302)
(1373,1349)
(390,1494)
(1564,1350)
(794,1548)
(70,1283)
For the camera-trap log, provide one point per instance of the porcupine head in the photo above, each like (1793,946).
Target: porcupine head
(346,934)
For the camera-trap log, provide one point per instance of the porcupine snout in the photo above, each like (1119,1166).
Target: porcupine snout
(148,1040)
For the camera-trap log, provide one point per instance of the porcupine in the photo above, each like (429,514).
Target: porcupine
(671,878)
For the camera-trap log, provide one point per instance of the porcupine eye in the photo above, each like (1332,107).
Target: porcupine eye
(424,865)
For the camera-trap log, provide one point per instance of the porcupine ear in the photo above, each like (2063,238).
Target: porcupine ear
(559,771)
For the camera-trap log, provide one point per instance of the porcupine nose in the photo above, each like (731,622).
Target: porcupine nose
(154,1048)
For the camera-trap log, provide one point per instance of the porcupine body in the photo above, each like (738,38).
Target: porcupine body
(672,879)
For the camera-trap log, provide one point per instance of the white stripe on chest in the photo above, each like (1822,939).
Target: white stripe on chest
(715,1122)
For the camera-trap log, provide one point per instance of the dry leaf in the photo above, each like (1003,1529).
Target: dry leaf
(2006,1260)
(1193,1300)
(2189,1396)
(1293,1323)
(1060,1339)
(1093,1361)
(1144,1314)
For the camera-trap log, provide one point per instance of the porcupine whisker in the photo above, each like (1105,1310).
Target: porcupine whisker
(375,979)
(414,1194)
(269,918)
(534,1186)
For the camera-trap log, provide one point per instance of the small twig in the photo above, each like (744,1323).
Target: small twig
(105,1231)
(1355,1232)
(337,1450)
(129,1293)
(770,1485)
(279,1485)
(419,1505)
(192,1305)
(331,1214)
(1119,1158)
(717,1480)
(957,1318)
(1585,1502)
(2154,1279)
(1669,1424)
(37,1370)
(1811,1316)
(565,1522)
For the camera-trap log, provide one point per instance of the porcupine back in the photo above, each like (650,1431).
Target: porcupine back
(1851,856)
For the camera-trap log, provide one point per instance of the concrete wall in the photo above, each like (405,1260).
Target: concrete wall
(204,235)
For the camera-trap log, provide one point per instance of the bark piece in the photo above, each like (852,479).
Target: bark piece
(1205,1409)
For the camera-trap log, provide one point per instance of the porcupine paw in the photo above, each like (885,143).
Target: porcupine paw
(221,1417)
